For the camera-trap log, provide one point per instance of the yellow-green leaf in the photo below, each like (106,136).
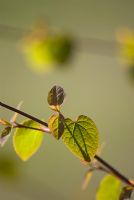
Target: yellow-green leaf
(81,137)
(44,52)
(27,141)
(126,40)
(56,125)
(109,189)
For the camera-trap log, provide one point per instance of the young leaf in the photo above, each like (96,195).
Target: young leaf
(81,137)
(4,122)
(27,141)
(109,189)
(56,125)
(14,117)
(126,193)
(87,178)
(5,135)
(56,97)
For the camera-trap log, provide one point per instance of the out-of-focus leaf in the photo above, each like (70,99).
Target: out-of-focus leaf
(56,125)
(27,141)
(9,169)
(126,193)
(44,51)
(13,118)
(109,189)
(4,122)
(130,74)
(56,97)
(5,135)
(126,40)
(81,137)
(87,178)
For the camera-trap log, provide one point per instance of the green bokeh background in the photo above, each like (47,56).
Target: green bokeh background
(96,86)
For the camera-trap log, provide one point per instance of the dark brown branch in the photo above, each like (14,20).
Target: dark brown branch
(114,171)
(43,129)
(23,114)
(103,162)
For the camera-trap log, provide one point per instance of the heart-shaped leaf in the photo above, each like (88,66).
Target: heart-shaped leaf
(56,125)
(56,97)
(109,189)
(81,137)
(27,141)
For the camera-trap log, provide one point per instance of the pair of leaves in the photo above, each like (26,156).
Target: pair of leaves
(27,141)
(81,136)
(110,189)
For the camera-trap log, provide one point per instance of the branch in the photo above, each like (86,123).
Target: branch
(42,129)
(23,114)
(114,171)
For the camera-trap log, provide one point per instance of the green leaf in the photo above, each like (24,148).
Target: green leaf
(27,141)
(56,125)
(5,135)
(126,193)
(56,97)
(81,137)
(47,52)
(109,189)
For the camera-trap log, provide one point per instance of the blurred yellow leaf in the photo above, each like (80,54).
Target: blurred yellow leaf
(126,40)
(43,51)
(109,189)
(87,179)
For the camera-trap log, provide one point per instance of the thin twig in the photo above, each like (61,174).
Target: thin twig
(115,171)
(23,114)
(43,129)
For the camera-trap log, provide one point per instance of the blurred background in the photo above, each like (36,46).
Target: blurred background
(95,80)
